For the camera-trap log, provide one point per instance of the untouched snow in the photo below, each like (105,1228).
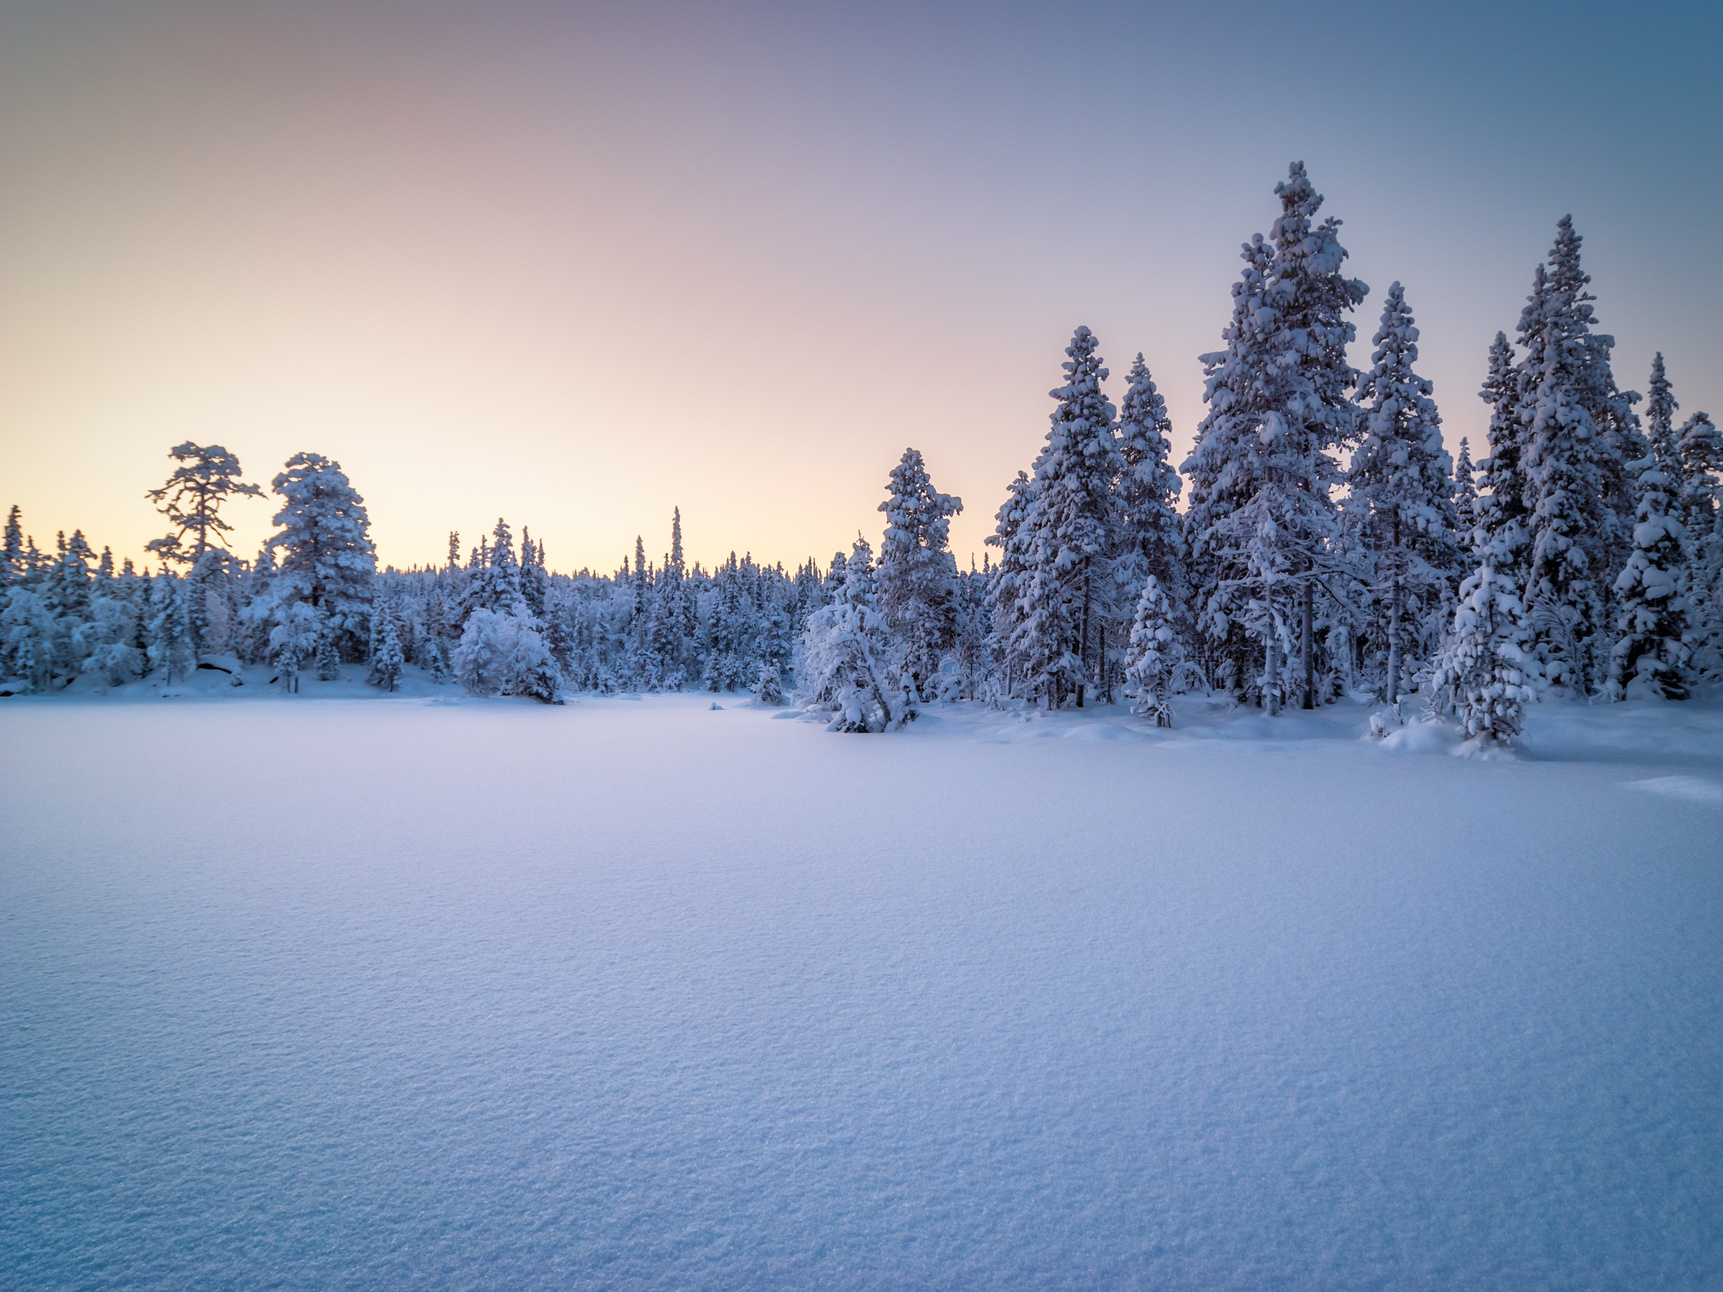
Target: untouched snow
(326,992)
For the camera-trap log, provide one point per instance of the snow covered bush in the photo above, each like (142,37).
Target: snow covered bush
(504,653)
(847,651)
(770,688)
(1485,674)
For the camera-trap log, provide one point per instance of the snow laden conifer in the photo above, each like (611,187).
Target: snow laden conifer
(1486,674)
(1072,530)
(534,582)
(1571,529)
(502,648)
(675,619)
(1279,406)
(1220,482)
(1660,432)
(1154,656)
(27,632)
(1402,491)
(846,653)
(1650,655)
(1148,488)
(503,652)
(769,690)
(1701,448)
(387,659)
(169,630)
(1465,492)
(12,564)
(915,583)
(1007,579)
(1501,508)
(192,499)
(326,560)
(495,585)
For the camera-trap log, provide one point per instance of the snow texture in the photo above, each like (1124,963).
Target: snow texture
(420,992)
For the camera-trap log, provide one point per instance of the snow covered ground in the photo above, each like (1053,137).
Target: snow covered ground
(364,992)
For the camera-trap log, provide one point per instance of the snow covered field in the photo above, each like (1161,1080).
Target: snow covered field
(631,993)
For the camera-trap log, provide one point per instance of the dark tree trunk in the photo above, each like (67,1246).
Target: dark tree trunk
(1307,644)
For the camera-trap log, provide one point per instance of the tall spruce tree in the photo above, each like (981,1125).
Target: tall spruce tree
(1148,488)
(1401,484)
(1279,407)
(1571,526)
(1073,527)
(1660,409)
(1006,581)
(915,583)
(327,561)
(1701,448)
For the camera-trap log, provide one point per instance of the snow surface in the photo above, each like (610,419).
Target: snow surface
(334,992)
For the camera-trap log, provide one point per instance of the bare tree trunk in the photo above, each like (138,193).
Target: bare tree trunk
(1083,648)
(1394,622)
(1271,666)
(1394,639)
(1307,633)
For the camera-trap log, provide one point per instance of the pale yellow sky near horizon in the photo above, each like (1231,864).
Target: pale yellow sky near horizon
(578,267)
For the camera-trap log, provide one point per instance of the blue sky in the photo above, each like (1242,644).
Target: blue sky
(579,264)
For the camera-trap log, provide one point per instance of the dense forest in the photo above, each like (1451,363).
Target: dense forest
(1329,546)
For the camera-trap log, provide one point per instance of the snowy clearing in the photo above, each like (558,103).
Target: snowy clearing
(331,992)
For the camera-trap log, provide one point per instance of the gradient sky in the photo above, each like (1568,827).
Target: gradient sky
(576,264)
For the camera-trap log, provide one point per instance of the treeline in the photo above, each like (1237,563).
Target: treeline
(496,620)
(1329,546)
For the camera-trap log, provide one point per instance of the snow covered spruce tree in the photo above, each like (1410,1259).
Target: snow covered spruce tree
(502,650)
(1562,391)
(322,587)
(1154,656)
(1007,581)
(1485,674)
(1262,517)
(387,660)
(1465,493)
(1501,505)
(1152,538)
(1650,655)
(1402,494)
(1072,532)
(915,585)
(1660,407)
(169,630)
(846,652)
(1701,448)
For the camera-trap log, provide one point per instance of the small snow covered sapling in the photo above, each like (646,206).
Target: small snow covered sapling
(386,658)
(770,689)
(1154,655)
(1486,674)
